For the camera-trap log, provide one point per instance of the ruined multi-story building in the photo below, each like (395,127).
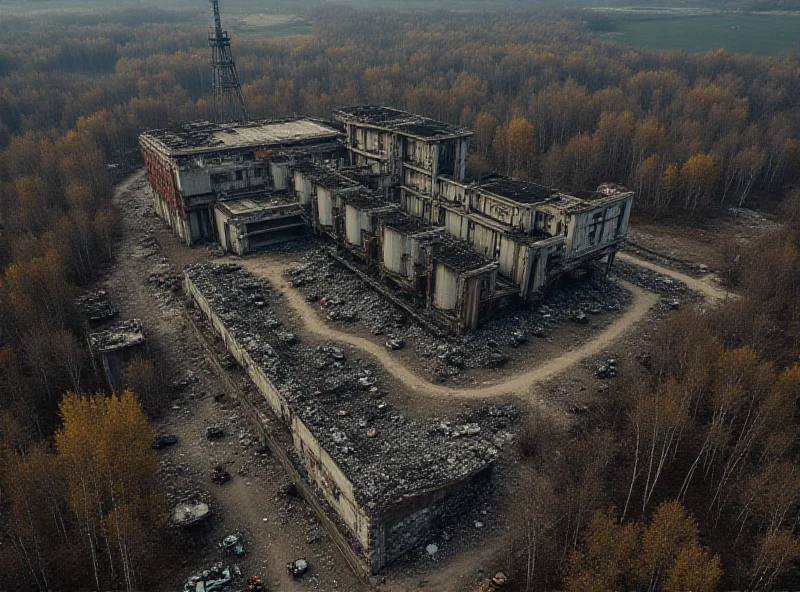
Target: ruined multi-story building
(195,166)
(391,191)
(412,151)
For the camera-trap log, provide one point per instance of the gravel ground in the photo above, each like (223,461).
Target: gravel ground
(350,305)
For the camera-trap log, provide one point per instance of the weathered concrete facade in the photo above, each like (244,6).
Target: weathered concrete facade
(247,224)
(194,166)
(411,150)
(535,233)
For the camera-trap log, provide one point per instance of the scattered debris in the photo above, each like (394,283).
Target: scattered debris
(449,358)
(190,512)
(606,370)
(297,567)
(160,442)
(96,307)
(215,431)
(220,475)
(254,584)
(233,544)
(210,580)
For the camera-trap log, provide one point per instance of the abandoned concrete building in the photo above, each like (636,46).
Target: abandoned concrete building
(193,167)
(391,192)
(116,347)
(389,479)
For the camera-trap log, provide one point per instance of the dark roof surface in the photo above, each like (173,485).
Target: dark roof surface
(410,224)
(519,191)
(326,177)
(204,136)
(401,122)
(366,199)
(458,254)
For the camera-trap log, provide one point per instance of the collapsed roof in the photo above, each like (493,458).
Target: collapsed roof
(401,122)
(204,136)
(385,454)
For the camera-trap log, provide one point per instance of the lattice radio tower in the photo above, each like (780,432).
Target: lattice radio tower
(228,99)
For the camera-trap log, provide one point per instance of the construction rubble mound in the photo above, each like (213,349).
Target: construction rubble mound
(387,457)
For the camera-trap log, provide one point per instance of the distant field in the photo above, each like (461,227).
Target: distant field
(758,34)
(270,25)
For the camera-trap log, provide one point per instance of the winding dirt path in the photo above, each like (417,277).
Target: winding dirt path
(701,286)
(520,383)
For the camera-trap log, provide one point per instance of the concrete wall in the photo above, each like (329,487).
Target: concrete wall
(394,251)
(513,215)
(445,291)
(417,517)
(325,205)
(417,180)
(303,188)
(281,175)
(593,229)
(332,484)
(193,181)
(167,197)
(356,221)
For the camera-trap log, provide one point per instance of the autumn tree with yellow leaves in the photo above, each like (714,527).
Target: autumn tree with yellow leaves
(663,555)
(91,508)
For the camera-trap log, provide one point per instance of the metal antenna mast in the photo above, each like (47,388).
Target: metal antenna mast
(228,99)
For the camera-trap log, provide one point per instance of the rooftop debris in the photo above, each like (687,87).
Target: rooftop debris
(190,512)
(121,336)
(401,122)
(385,454)
(96,307)
(204,136)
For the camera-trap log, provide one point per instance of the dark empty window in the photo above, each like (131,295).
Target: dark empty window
(219,178)
(239,175)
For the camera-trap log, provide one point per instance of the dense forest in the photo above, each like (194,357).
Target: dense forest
(712,420)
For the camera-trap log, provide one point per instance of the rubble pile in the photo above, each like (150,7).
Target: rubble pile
(96,307)
(653,281)
(385,454)
(343,298)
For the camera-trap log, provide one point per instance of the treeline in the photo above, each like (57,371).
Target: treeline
(686,477)
(79,507)
(686,131)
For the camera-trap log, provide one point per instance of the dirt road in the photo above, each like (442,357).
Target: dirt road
(701,286)
(522,383)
